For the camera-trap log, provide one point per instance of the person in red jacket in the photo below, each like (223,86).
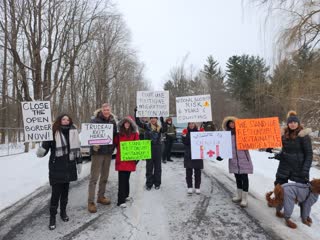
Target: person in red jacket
(128,131)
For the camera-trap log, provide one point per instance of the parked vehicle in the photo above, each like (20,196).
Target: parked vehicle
(177,146)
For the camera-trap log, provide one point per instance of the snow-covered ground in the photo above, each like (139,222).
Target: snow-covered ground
(23,174)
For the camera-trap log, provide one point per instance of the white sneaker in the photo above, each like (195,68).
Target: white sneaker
(198,191)
(123,205)
(190,190)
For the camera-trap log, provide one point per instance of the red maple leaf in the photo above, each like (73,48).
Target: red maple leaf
(210,153)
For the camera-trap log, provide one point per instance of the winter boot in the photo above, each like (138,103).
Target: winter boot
(238,196)
(63,212)
(52,222)
(244,200)
(291,224)
(104,200)
(92,208)
(64,216)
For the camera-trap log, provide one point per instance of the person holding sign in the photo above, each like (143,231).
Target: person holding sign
(240,164)
(152,132)
(128,131)
(170,134)
(100,160)
(64,162)
(209,126)
(296,154)
(191,165)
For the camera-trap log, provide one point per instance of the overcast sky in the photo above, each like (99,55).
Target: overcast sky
(164,31)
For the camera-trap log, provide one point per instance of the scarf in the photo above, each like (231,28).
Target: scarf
(62,144)
(155,128)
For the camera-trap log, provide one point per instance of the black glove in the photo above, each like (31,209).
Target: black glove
(161,119)
(277,156)
(269,150)
(219,158)
(135,109)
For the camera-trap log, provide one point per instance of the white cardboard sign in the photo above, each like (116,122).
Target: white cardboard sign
(193,109)
(210,145)
(153,104)
(37,121)
(96,134)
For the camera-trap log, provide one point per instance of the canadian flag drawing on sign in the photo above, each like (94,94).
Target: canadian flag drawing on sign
(210,145)
(210,153)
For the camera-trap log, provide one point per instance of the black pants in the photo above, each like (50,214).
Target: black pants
(60,191)
(153,167)
(197,177)
(242,181)
(166,155)
(124,186)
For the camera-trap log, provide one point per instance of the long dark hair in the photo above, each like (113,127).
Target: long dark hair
(123,131)
(233,130)
(57,123)
(292,134)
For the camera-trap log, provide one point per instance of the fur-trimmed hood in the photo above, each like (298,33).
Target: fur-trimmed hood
(99,110)
(304,132)
(132,123)
(227,119)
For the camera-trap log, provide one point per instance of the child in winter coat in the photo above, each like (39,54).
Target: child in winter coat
(191,165)
(64,162)
(128,131)
(240,164)
(153,132)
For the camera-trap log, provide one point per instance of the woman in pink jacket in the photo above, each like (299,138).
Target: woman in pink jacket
(240,164)
(128,131)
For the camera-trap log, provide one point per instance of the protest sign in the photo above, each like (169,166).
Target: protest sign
(37,121)
(210,145)
(135,150)
(152,104)
(193,109)
(96,134)
(258,133)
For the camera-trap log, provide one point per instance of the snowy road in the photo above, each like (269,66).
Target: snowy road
(168,213)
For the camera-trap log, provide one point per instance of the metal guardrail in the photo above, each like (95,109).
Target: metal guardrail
(13,141)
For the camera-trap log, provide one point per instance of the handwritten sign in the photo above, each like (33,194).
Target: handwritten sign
(193,109)
(96,134)
(210,145)
(258,133)
(135,150)
(153,104)
(37,121)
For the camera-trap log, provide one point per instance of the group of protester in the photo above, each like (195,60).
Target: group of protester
(65,159)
